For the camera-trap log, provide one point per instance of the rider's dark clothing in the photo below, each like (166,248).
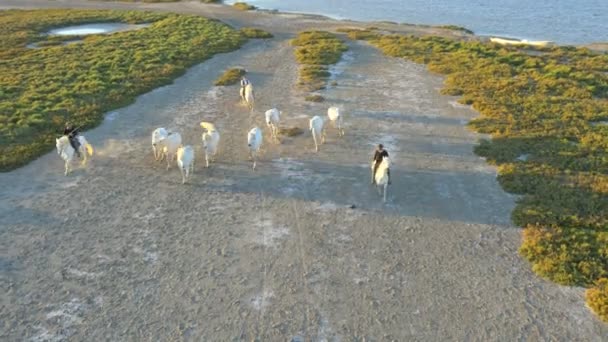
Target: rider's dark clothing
(72,134)
(379,155)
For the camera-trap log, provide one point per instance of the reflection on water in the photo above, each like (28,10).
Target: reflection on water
(96,28)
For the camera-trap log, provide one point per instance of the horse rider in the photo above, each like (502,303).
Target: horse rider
(72,134)
(244,83)
(379,154)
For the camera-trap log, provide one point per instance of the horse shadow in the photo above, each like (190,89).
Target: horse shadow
(441,194)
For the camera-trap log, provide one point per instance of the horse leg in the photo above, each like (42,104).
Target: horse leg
(372,172)
(206,159)
(254,161)
(314,137)
(169,159)
(275,132)
(67,168)
(385,188)
(181,170)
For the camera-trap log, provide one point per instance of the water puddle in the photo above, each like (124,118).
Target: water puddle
(95,28)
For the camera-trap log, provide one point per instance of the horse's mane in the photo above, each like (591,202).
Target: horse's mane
(64,139)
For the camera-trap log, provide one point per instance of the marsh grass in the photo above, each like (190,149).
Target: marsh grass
(230,77)
(243,6)
(456,28)
(255,33)
(314,98)
(315,51)
(543,105)
(291,131)
(41,89)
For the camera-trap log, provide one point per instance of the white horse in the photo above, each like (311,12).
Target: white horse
(67,152)
(249,98)
(333,113)
(211,140)
(316,128)
(273,116)
(381,176)
(157,135)
(169,146)
(185,161)
(254,142)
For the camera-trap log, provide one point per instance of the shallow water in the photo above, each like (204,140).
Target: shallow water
(96,28)
(562,21)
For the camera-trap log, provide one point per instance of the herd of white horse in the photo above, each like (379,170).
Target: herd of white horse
(168,145)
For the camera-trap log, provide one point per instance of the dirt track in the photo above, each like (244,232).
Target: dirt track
(122,251)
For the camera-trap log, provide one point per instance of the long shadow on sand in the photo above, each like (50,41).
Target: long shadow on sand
(440,194)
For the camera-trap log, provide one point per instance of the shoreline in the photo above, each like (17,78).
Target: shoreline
(486,33)
(228,9)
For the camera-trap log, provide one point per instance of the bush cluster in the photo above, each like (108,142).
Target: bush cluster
(549,105)
(314,98)
(42,88)
(315,51)
(230,77)
(243,6)
(255,33)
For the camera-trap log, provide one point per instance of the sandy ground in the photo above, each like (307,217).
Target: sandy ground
(122,251)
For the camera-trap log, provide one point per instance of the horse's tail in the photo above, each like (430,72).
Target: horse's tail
(89,148)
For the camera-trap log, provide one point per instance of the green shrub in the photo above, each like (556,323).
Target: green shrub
(243,6)
(254,33)
(41,89)
(597,298)
(290,131)
(359,34)
(315,51)
(230,77)
(456,28)
(314,98)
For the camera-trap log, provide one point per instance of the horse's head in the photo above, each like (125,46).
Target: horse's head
(158,135)
(60,143)
(386,161)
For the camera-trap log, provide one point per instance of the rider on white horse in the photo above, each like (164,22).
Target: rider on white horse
(72,134)
(244,83)
(379,154)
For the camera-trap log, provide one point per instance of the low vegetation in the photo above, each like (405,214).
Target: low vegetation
(230,77)
(42,88)
(243,6)
(315,51)
(549,105)
(597,298)
(290,131)
(456,28)
(314,98)
(255,33)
